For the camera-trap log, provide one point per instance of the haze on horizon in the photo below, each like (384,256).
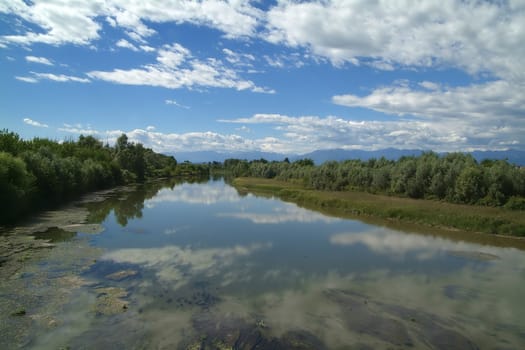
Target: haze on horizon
(281,76)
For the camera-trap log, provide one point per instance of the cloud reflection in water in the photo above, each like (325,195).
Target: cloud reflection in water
(284,213)
(172,263)
(211,193)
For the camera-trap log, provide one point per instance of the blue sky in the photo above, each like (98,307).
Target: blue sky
(280,76)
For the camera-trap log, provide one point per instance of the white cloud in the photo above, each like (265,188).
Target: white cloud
(175,103)
(489,101)
(430,85)
(147,48)
(171,142)
(80,129)
(239,59)
(174,55)
(176,68)
(35,123)
(62,78)
(307,133)
(244,128)
(303,134)
(82,23)
(420,34)
(285,61)
(123,43)
(60,24)
(41,60)
(482,115)
(27,79)
(234,18)
(150,128)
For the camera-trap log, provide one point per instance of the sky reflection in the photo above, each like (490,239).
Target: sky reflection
(263,259)
(283,213)
(207,194)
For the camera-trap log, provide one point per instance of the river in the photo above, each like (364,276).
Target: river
(200,266)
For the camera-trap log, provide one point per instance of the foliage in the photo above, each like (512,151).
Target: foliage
(40,173)
(435,216)
(455,177)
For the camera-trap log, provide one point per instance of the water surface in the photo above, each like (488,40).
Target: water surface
(200,266)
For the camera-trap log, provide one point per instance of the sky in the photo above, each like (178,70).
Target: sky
(275,76)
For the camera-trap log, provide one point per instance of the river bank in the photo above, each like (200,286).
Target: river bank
(366,206)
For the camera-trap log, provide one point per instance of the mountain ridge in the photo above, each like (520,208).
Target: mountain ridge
(320,156)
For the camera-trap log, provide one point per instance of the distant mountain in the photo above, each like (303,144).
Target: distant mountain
(513,156)
(322,156)
(210,156)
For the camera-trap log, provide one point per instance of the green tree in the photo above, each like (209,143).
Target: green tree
(16,187)
(469,185)
(10,142)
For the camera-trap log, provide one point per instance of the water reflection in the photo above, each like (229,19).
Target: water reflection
(175,264)
(388,242)
(285,212)
(213,269)
(128,203)
(213,192)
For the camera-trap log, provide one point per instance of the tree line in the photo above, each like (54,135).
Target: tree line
(454,177)
(40,173)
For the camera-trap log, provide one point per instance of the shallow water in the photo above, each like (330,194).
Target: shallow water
(200,266)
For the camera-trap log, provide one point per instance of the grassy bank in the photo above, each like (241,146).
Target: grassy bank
(364,205)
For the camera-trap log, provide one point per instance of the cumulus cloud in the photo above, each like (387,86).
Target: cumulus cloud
(420,34)
(239,59)
(485,114)
(307,133)
(299,135)
(41,60)
(32,122)
(123,43)
(58,24)
(493,100)
(147,48)
(81,129)
(294,60)
(81,24)
(489,113)
(171,142)
(177,68)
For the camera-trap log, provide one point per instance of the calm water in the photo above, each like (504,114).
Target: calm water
(199,266)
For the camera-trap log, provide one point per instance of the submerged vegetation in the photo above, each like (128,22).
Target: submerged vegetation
(41,173)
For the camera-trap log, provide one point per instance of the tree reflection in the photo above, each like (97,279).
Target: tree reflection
(127,203)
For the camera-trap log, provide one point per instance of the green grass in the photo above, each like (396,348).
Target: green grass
(372,207)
